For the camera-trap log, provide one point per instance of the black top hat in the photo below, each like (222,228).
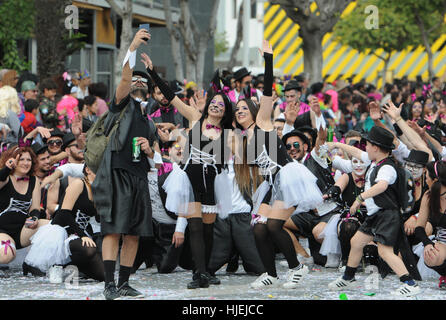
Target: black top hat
(380,137)
(419,157)
(292,85)
(38,148)
(67,139)
(241,73)
(296,133)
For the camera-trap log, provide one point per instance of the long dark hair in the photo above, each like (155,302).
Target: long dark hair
(226,121)
(436,170)
(253,109)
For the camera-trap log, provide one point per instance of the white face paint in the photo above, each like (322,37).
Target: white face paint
(359,167)
(415,169)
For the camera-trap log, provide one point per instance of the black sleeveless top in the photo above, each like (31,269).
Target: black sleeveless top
(273,144)
(351,191)
(11,200)
(83,210)
(198,140)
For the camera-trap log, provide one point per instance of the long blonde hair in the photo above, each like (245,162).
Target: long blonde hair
(9,100)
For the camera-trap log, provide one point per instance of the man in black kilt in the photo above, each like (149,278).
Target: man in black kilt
(121,187)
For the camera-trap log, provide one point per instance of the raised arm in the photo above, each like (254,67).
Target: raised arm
(123,89)
(263,119)
(190,113)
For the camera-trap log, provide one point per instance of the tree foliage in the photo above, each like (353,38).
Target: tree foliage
(393,33)
(16,22)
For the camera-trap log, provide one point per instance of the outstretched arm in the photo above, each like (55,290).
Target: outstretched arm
(190,113)
(263,119)
(123,89)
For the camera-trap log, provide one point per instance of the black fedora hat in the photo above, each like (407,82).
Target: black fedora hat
(67,139)
(241,73)
(418,157)
(38,148)
(292,85)
(380,137)
(296,133)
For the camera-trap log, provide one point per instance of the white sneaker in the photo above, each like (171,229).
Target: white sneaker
(264,281)
(295,276)
(333,260)
(341,284)
(283,263)
(301,259)
(407,291)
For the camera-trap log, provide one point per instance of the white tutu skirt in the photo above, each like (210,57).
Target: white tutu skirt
(295,185)
(48,247)
(223,194)
(425,271)
(179,192)
(331,243)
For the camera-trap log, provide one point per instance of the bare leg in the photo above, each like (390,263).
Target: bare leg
(358,242)
(6,253)
(394,262)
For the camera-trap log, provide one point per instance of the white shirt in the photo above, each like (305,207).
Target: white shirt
(385,173)
(72,170)
(239,204)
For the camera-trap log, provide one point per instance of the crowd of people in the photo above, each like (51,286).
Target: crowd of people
(241,171)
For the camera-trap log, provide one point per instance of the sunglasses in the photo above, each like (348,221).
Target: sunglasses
(143,80)
(414,166)
(296,145)
(55,143)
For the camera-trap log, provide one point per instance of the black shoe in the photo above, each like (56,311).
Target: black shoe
(33,270)
(198,281)
(213,279)
(110,292)
(127,291)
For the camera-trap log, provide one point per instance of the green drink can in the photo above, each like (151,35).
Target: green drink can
(330,133)
(136,151)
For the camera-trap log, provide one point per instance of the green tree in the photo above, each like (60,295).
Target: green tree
(221,43)
(16,22)
(313,27)
(428,16)
(392,31)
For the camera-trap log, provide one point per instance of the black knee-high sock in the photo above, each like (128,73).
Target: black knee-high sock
(109,268)
(196,244)
(124,275)
(283,241)
(208,236)
(265,248)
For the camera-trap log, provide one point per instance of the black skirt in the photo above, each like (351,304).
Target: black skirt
(384,226)
(132,210)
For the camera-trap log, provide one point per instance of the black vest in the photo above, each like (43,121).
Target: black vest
(324,177)
(389,198)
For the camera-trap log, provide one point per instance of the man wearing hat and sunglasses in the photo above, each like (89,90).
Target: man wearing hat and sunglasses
(383,221)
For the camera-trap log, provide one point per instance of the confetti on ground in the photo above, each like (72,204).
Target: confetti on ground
(343,296)
(314,269)
(370,294)
(270,296)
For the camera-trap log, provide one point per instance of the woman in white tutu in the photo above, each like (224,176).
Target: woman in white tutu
(288,185)
(432,209)
(19,203)
(194,190)
(69,236)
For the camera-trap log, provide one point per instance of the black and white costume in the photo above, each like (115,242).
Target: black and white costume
(59,242)
(14,208)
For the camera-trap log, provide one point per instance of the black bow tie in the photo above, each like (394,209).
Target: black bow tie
(359,180)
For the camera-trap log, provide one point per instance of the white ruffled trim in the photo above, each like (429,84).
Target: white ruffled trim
(209,209)
(331,243)
(179,191)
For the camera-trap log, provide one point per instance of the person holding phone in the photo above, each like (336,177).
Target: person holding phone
(19,203)
(120,189)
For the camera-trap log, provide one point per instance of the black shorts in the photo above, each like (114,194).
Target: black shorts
(202,180)
(384,226)
(131,206)
(12,224)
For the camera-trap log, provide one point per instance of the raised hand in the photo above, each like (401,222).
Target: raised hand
(147,61)
(315,106)
(139,39)
(200,99)
(291,113)
(266,48)
(76,125)
(12,163)
(374,110)
(392,111)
